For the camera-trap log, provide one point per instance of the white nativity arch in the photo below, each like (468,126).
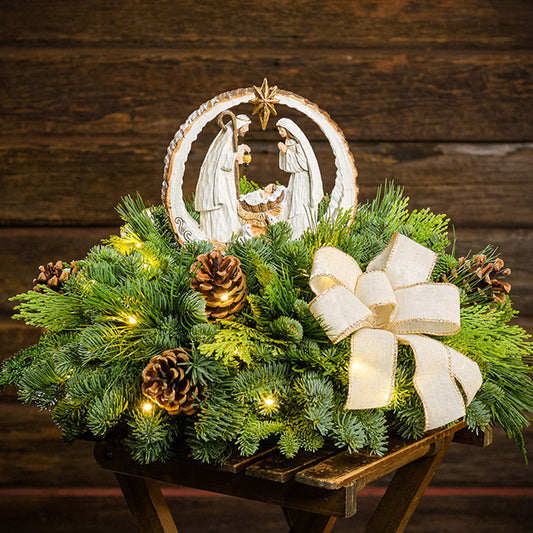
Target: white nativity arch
(345,190)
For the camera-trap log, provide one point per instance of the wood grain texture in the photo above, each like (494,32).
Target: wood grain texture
(436,95)
(301,24)
(79,181)
(34,456)
(379,94)
(405,492)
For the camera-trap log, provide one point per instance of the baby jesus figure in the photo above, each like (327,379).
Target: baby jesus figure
(261,207)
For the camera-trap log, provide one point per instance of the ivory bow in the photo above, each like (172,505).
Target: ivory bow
(393,301)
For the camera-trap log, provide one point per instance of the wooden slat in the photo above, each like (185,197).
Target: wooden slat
(237,463)
(79,181)
(339,502)
(290,24)
(379,95)
(279,468)
(345,469)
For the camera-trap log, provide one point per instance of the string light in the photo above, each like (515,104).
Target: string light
(269,401)
(138,245)
(224,297)
(147,407)
(132,320)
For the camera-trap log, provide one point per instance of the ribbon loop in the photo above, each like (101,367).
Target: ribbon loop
(350,314)
(429,308)
(393,302)
(332,266)
(404,261)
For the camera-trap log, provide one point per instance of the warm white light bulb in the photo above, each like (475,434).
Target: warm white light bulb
(224,297)
(147,407)
(132,320)
(269,401)
(138,244)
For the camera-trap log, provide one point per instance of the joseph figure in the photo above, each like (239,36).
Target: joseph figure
(216,193)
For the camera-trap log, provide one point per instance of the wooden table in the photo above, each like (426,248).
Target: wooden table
(314,489)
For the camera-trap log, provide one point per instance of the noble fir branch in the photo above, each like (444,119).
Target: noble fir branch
(70,416)
(278,298)
(203,333)
(204,370)
(347,431)
(315,393)
(151,436)
(41,384)
(266,384)
(374,425)
(256,261)
(106,411)
(215,451)
(478,415)
(254,431)
(220,415)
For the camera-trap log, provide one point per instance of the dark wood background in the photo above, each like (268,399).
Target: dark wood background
(435,95)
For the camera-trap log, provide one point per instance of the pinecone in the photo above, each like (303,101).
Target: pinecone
(167,384)
(54,276)
(222,283)
(483,276)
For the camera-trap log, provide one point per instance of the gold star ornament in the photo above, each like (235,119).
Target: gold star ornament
(265,98)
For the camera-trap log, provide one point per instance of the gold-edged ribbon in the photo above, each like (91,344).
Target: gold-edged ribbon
(394,302)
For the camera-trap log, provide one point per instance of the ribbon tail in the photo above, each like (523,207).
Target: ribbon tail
(466,372)
(371,369)
(434,381)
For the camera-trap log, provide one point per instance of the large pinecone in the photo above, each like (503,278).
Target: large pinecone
(54,275)
(221,281)
(167,384)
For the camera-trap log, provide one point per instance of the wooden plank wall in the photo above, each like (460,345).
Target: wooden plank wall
(436,95)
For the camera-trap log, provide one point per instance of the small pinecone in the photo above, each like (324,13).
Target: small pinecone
(487,275)
(166,383)
(221,282)
(54,276)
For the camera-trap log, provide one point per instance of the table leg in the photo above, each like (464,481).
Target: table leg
(306,522)
(147,504)
(405,491)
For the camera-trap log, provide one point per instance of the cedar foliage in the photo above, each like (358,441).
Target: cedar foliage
(270,372)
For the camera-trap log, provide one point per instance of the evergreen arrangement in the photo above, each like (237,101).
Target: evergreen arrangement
(129,352)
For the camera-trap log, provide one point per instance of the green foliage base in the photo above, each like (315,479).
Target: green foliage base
(270,373)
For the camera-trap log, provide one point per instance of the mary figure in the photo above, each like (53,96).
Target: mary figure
(304,190)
